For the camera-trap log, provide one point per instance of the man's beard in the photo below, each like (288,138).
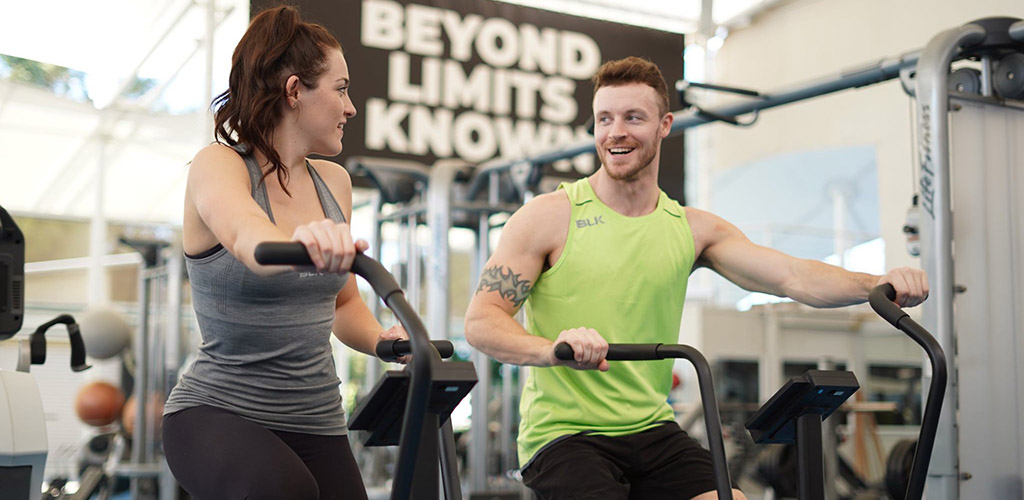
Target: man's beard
(644,161)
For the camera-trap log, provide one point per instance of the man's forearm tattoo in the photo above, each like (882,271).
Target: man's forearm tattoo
(501,279)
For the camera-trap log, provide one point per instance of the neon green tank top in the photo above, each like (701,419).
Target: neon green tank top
(626,278)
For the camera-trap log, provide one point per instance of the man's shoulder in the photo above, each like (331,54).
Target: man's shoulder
(542,222)
(706,227)
(696,216)
(554,199)
(543,207)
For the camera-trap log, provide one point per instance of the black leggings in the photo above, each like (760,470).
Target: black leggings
(217,455)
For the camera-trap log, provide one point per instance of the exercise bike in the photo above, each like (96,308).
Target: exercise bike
(23,445)
(411,407)
(795,413)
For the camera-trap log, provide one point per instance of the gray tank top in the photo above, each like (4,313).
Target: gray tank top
(265,352)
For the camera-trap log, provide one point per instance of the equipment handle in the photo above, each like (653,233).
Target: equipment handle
(712,418)
(881,299)
(616,352)
(291,253)
(390,350)
(38,343)
(420,369)
(282,253)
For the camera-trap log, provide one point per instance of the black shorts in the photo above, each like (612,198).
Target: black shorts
(663,462)
(217,455)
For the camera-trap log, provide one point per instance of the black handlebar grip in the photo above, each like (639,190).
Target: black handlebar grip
(282,253)
(37,351)
(881,299)
(616,352)
(564,351)
(78,353)
(294,254)
(389,350)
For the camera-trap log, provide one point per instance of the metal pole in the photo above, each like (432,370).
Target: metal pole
(771,365)
(376,242)
(478,431)
(449,463)
(986,76)
(829,451)
(478,441)
(811,485)
(414,273)
(373,365)
(176,342)
(211,29)
(157,352)
(937,233)
(439,220)
(141,375)
(508,448)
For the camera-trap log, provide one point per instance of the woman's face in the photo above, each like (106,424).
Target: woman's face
(324,110)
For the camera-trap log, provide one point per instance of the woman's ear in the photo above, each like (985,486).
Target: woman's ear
(291,91)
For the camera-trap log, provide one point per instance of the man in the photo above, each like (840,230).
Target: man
(606,259)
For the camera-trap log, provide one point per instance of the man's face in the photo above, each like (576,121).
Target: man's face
(628,129)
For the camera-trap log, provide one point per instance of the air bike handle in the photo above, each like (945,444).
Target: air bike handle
(881,299)
(712,419)
(424,355)
(389,350)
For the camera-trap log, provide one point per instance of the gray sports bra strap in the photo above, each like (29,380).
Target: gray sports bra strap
(258,188)
(331,208)
(330,205)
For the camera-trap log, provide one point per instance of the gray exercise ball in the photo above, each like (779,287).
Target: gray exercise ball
(105,333)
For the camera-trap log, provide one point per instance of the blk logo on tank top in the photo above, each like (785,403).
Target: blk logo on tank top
(593,221)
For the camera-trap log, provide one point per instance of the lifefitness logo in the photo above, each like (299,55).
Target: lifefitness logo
(593,221)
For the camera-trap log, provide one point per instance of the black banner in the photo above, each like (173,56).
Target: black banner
(476,79)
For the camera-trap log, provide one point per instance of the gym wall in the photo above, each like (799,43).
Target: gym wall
(801,41)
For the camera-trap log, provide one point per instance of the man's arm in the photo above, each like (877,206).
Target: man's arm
(725,249)
(535,232)
(508,278)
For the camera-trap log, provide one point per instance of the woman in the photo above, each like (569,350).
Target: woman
(259,415)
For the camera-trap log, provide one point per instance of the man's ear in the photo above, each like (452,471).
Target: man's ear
(291,91)
(666,124)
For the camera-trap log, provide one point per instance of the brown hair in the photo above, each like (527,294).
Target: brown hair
(276,45)
(633,70)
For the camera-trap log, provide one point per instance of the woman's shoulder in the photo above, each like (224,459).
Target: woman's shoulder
(217,153)
(338,181)
(332,173)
